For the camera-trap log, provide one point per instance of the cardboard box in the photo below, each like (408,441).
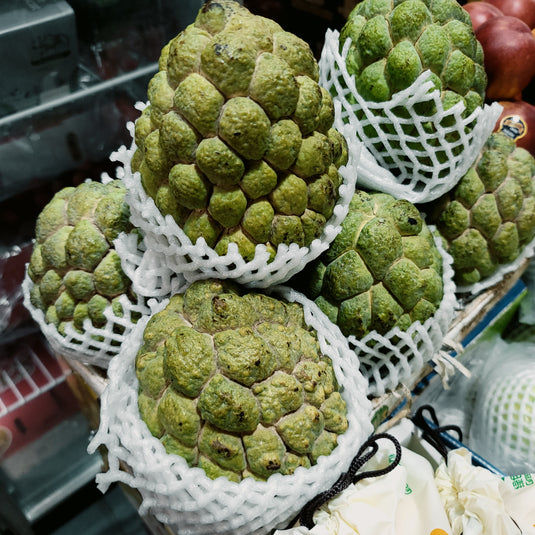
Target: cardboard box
(41,40)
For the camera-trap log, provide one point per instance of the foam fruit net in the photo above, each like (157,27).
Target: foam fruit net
(184,498)
(503,425)
(95,346)
(196,261)
(419,167)
(389,360)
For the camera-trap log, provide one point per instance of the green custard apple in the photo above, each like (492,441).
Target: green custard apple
(235,383)
(393,42)
(489,217)
(75,270)
(237,143)
(382,271)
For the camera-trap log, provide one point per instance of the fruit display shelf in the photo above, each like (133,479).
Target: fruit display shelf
(476,318)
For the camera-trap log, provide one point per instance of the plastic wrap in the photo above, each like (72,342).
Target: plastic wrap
(503,422)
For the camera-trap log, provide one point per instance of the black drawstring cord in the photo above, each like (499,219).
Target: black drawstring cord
(431,432)
(351,476)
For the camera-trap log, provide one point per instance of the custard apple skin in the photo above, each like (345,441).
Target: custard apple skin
(489,216)
(74,268)
(383,270)
(235,382)
(238,136)
(393,42)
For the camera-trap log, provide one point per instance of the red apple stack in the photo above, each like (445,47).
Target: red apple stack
(506,31)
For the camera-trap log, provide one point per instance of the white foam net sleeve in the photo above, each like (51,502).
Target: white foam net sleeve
(95,345)
(503,423)
(393,359)
(185,498)
(149,274)
(164,237)
(400,157)
(527,252)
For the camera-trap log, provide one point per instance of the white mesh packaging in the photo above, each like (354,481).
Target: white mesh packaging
(503,422)
(95,345)
(184,498)
(198,261)
(147,270)
(503,270)
(418,167)
(389,360)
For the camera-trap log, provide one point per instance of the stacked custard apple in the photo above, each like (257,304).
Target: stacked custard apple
(237,145)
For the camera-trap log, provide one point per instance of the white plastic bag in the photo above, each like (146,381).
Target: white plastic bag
(519,497)
(472,497)
(404,501)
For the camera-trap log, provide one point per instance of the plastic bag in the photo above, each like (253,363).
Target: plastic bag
(403,501)
(519,497)
(473,497)
(503,422)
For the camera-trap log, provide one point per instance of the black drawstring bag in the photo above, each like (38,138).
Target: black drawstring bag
(351,476)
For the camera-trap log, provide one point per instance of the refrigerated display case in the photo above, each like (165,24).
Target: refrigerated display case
(72,72)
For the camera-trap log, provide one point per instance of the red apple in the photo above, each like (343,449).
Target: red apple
(480,12)
(521,9)
(517,121)
(509,49)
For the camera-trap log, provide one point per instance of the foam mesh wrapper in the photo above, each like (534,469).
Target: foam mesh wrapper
(185,498)
(95,345)
(415,174)
(502,429)
(165,238)
(396,358)
(149,274)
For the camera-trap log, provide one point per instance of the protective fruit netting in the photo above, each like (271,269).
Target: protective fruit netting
(165,238)
(397,357)
(185,498)
(503,423)
(418,167)
(95,345)
(150,277)
(503,270)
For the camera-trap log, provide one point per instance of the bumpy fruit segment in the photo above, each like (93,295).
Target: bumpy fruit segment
(75,270)
(382,271)
(235,382)
(237,143)
(489,217)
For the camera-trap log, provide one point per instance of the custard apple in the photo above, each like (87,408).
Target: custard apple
(489,217)
(236,143)
(235,383)
(393,42)
(382,271)
(75,270)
